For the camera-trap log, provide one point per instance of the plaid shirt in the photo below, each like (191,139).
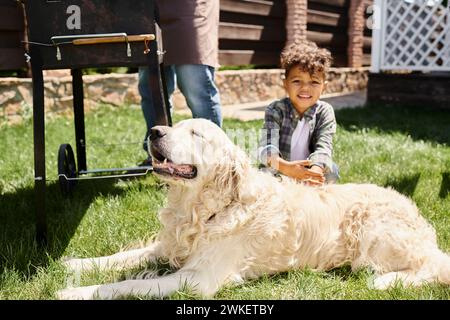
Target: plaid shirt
(280,121)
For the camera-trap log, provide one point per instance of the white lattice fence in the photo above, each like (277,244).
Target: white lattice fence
(412,35)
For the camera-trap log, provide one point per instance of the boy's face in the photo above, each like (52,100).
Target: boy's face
(304,89)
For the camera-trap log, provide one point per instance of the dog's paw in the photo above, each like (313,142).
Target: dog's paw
(81,293)
(387,281)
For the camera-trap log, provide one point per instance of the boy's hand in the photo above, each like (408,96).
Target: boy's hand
(302,170)
(320,171)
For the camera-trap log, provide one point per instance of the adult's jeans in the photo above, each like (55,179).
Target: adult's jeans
(196,83)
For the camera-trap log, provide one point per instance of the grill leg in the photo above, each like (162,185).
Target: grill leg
(158,87)
(39,145)
(163,92)
(78,108)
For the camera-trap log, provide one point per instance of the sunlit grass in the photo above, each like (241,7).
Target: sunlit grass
(406,149)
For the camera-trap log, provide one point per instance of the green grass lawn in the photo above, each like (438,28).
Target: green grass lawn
(408,149)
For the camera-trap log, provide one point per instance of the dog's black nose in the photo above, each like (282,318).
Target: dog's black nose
(157,132)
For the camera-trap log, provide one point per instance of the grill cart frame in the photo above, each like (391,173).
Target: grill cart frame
(79,34)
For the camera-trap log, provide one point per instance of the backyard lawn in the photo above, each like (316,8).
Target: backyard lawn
(407,149)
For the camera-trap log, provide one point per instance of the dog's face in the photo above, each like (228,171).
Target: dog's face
(189,151)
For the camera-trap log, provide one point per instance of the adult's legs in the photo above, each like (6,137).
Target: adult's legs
(169,73)
(196,82)
(146,102)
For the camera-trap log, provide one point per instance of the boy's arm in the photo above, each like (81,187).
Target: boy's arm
(323,148)
(269,152)
(270,134)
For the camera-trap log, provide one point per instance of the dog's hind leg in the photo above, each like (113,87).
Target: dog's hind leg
(433,265)
(406,278)
(119,261)
(436,266)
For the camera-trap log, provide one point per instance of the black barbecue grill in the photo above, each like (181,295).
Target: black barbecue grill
(79,34)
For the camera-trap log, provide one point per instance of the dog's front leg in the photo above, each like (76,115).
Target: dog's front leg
(203,281)
(205,272)
(119,261)
(159,287)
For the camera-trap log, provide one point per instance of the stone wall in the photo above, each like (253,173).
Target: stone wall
(236,87)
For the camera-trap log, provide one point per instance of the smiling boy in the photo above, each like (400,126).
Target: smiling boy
(298,130)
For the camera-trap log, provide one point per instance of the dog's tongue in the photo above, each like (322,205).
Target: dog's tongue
(184,170)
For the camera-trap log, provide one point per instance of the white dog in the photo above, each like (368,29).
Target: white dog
(227,222)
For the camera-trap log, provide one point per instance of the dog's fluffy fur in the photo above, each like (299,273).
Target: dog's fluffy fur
(226,221)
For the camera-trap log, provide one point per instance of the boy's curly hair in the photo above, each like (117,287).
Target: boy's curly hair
(307,56)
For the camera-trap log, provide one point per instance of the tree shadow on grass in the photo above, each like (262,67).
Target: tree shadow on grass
(19,249)
(445,185)
(405,185)
(427,123)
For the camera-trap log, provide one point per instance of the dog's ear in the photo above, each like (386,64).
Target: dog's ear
(230,173)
